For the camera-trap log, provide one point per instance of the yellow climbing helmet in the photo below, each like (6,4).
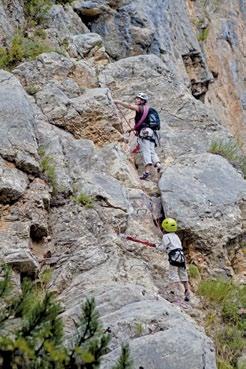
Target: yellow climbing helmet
(169,225)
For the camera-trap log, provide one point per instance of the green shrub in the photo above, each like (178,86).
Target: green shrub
(230,150)
(242,164)
(230,342)
(223,364)
(64,1)
(138,329)
(21,48)
(84,199)
(32,89)
(225,320)
(193,272)
(36,11)
(4,57)
(203,34)
(48,168)
(215,290)
(40,33)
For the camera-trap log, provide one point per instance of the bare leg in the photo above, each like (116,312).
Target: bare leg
(187,290)
(148,168)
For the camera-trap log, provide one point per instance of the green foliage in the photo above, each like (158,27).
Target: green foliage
(223,365)
(84,199)
(193,272)
(31,332)
(5,283)
(41,33)
(215,290)
(48,168)
(36,11)
(124,361)
(64,1)
(32,89)
(230,150)
(203,34)
(139,329)
(21,48)
(225,319)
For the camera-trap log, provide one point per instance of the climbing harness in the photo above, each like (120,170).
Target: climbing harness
(176,257)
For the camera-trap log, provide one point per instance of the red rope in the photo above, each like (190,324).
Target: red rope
(146,243)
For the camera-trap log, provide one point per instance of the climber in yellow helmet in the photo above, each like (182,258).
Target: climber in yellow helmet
(171,243)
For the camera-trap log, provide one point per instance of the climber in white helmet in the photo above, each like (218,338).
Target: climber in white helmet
(147,137)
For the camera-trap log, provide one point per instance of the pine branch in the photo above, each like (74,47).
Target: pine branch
(88,319)
(5,284)
(124,361)
(39,315)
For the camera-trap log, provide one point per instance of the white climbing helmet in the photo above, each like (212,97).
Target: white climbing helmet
(142,96)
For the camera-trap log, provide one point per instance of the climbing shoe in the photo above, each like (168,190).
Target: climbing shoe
(145,176)
(187,296)
(158,167)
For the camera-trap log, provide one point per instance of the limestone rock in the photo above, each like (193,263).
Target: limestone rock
(187,126)
(150,324)
(53,140)
(89,8)
(14,244)
(99,117)
(51,66)
(13,182)
(92,115)
(11,17)
(85,43)
(132,28)
(17,125)
(204,193)
(35,206)
(223,49)
(105,187)
(156,340)
(63,22)
(112,159)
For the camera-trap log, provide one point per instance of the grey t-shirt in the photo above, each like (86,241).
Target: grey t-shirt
(170,241)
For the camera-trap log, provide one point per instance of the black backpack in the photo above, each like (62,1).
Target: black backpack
(153,120)
(176,257)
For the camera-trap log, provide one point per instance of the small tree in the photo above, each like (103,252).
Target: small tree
(31,331)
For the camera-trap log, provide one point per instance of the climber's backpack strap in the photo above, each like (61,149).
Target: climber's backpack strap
(176,257)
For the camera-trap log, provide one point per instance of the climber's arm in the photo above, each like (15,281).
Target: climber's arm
(127,105)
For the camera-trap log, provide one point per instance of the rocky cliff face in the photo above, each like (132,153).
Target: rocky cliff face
(62,137)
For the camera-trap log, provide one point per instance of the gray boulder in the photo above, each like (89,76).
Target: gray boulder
(17,125)
(160,337)
(15,244)
(13,182)
(204,193)
(63,22)
(91,115)
(85,43)
(159,334)
(53,66)
(11,18)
